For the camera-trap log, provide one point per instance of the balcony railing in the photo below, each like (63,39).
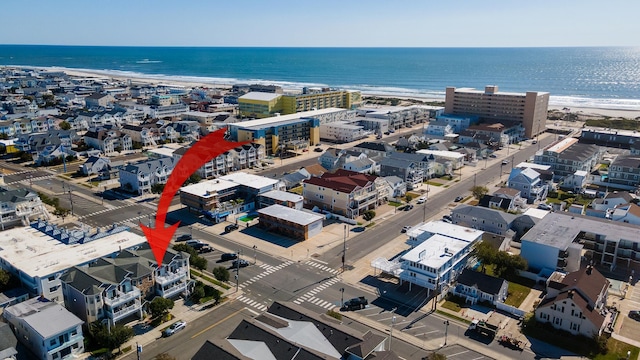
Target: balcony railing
(171,278)
(122,297)
(125,311)
(174,290)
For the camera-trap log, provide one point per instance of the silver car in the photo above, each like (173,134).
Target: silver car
(174,328)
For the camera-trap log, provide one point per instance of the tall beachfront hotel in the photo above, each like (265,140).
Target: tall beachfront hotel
(529,108)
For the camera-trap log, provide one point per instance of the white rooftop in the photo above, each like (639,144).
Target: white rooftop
(435,251)
(46,318)
(209,188)
(445,229)
(283,196)
(562,145)
(533,166)
(163,151)
(284,118)
(291,215)
(38,254)
(260,96)
(250,180)
(442,153)
(536,213)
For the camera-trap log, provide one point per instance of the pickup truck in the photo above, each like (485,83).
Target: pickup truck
(484,328)
(355,303)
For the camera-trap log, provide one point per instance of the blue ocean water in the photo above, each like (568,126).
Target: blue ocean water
(601,77)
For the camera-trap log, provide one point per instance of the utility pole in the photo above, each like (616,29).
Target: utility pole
(474,179)
(255,255)
(424,212)
(393,321)
(238,270)
(446,328)
(344,247)
(342,298)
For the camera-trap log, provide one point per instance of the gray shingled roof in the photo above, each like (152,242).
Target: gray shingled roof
(483,282)
(485,213)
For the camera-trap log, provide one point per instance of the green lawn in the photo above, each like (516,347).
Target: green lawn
(451,306)
(618,350)
(517,294)
(434,183)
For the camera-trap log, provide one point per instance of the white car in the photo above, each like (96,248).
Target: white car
(174,328)
(422,200)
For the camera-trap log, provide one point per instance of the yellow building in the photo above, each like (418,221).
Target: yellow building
(261,105)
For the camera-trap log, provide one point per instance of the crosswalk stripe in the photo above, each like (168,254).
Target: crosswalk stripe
(297,302)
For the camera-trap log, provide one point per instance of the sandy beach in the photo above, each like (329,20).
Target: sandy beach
(584,112)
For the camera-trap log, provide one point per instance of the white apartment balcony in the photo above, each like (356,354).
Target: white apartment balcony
(172,290)
(121,312)
(172,277)
(122,298)
(71,339)
(417,280)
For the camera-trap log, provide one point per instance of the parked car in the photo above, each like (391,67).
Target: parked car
(493,156)
(422,200)
(184,237)
(174,328)
(318,149)
(544,207)
(458,199)
(635,315)
(239,263)
(447,219)
(205,249)
(194,243)
(230,227)
(228,256)
(387,133)
(405,229)
(505,162)
(408,207)
(355,303)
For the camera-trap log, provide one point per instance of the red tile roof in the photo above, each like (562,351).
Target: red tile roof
(342,180)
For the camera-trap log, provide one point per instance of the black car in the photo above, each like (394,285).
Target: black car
(408,207)
(231,227)
(635,315)
(228,256)
(458,199)
(318,149)
(355,303)
(184,237)
(239,263)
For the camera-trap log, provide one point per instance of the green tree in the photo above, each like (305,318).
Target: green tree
(64,125)
(196,261)
(486,253)
(160,306)
(369,215)
(479,191)
(193,179)
(111,338)
(157,188)
(435,356)
(408,198)
(197,293)
(221,273)
(7,281)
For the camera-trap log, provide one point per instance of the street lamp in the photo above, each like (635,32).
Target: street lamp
(344,247)
(342,298)
(393,321)
(446,328)
(255,255)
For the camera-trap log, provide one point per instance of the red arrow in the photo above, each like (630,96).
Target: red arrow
(208,148)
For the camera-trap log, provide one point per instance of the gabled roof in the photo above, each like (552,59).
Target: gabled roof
(620,195)
(486,283)
(376,146)
(7,338)
(593,315)
(588,281)
(484,213)
(315,169)
(342,180)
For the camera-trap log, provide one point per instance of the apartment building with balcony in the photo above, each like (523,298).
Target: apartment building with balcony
(625,171)
(220,165)
(527,180)
(560,240)
(208,195)
(528,108)
(110,142)
(567,156)
(440,252)
(345,192)
(40,254)
(46,328)
(266,104)
(138,178)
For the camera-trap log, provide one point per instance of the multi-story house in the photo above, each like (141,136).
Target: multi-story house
(33,143)
(220,165)
(46,328)
(144,134)
(481,218)
(626,213)
(567,156)
(474,286)
(247,156)
(95,165)
(440,253)
(576,302)
(625,171)
(98,100)
(406,170)
(108,141)
(20,206)
(457,123)
(93,119)
(141,176)
(527,181)
(364,166)
(375,149)
(113,288)
(345,192)
(439,129)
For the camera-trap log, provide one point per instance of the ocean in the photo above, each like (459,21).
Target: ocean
(596,77)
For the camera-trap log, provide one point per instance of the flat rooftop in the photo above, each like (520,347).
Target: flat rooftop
(209,188)
(562,145)
(258,95)
(250,180)
(435,251)
(283,196)
(559,230)
(533,166)
(163,151)
(292,215)
(442,153)
(445,229)
(274,120)
(38,254)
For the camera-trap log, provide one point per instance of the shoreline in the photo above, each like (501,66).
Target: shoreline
(582,110)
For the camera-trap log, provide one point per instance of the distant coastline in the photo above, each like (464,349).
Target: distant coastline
(196,82)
